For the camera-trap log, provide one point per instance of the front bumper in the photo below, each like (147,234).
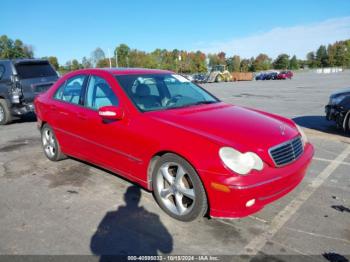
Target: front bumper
(333,112)
(279,181)
(338,114)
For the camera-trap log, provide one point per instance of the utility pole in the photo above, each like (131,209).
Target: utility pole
(116,58)
(109,58)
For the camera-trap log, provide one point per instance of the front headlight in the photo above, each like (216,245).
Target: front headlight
(241,163)
(303,136)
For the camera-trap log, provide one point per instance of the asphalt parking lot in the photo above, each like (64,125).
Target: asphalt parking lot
(70,207)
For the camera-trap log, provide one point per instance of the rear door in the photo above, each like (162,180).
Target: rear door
(35,77)
(66,115)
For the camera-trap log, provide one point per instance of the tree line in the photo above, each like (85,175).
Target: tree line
(336,54)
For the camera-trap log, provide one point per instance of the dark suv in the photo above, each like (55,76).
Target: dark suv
(338,109)
(21,80)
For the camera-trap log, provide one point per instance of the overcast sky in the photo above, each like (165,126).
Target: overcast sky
(73,28)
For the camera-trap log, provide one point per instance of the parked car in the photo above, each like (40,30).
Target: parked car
(21,80)
(285,75)
(271,76)
(338,109)
(188,77)
(195,153)
(260,76)
(200,78)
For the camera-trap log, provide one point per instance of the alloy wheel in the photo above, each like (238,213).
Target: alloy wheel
(2,114)
(49,143)
(175,188)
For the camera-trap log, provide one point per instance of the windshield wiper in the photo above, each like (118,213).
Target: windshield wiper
(204,103)
(194,104)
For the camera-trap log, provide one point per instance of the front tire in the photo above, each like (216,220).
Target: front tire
(5,113)
(178,189)
(219,79)
(50,144)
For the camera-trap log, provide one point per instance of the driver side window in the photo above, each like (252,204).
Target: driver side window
(99,94)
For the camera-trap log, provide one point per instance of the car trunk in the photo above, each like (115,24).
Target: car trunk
(35,77)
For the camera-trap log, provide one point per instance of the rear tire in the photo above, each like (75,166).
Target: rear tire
(50,144)
(178,189)
(5,113)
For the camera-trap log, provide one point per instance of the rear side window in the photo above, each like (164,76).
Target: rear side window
(34,70)
(71,90)
(2,71)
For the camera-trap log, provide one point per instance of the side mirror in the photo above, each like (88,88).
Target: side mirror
(111,113)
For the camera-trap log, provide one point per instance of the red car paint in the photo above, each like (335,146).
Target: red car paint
(285,75)
(196,133)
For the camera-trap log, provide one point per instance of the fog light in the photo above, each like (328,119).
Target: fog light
(250,203)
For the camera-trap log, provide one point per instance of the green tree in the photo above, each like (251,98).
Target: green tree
(322,56)
(341,55)
(217,59)
(14,49)
(281,62)
(122,51)
(331,55)
(236,63)
(74,65)
(311,60)
(97,55)
(261,62)
(245,65)
(54,62)
(86,62)
(294,63)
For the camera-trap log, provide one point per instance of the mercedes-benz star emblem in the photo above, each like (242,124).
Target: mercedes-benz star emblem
(283,129)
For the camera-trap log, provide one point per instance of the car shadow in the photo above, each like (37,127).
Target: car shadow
(320,123)
(130,230)
(24,119)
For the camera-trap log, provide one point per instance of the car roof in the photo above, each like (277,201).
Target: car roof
(23,60)
(129,71)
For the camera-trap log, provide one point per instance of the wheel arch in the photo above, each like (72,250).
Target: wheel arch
(154,160)
(346,122)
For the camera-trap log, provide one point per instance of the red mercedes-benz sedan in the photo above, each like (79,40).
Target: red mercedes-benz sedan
(197,154)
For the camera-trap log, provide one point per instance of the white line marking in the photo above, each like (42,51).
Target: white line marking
(259,219)
(317,235)
(328,160)
(257,243)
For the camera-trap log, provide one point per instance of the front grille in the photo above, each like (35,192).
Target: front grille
(287,152)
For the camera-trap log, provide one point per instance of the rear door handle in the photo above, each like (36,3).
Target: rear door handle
(53,107)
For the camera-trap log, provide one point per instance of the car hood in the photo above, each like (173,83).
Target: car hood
(345,91)
(229,125)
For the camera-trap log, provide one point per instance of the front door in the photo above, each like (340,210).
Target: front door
(107,140)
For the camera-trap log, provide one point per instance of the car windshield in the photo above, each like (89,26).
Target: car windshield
(152,92)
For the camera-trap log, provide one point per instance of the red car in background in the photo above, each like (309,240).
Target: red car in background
(197,154)
(285,75)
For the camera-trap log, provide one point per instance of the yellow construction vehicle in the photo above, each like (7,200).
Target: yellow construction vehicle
(219,73)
